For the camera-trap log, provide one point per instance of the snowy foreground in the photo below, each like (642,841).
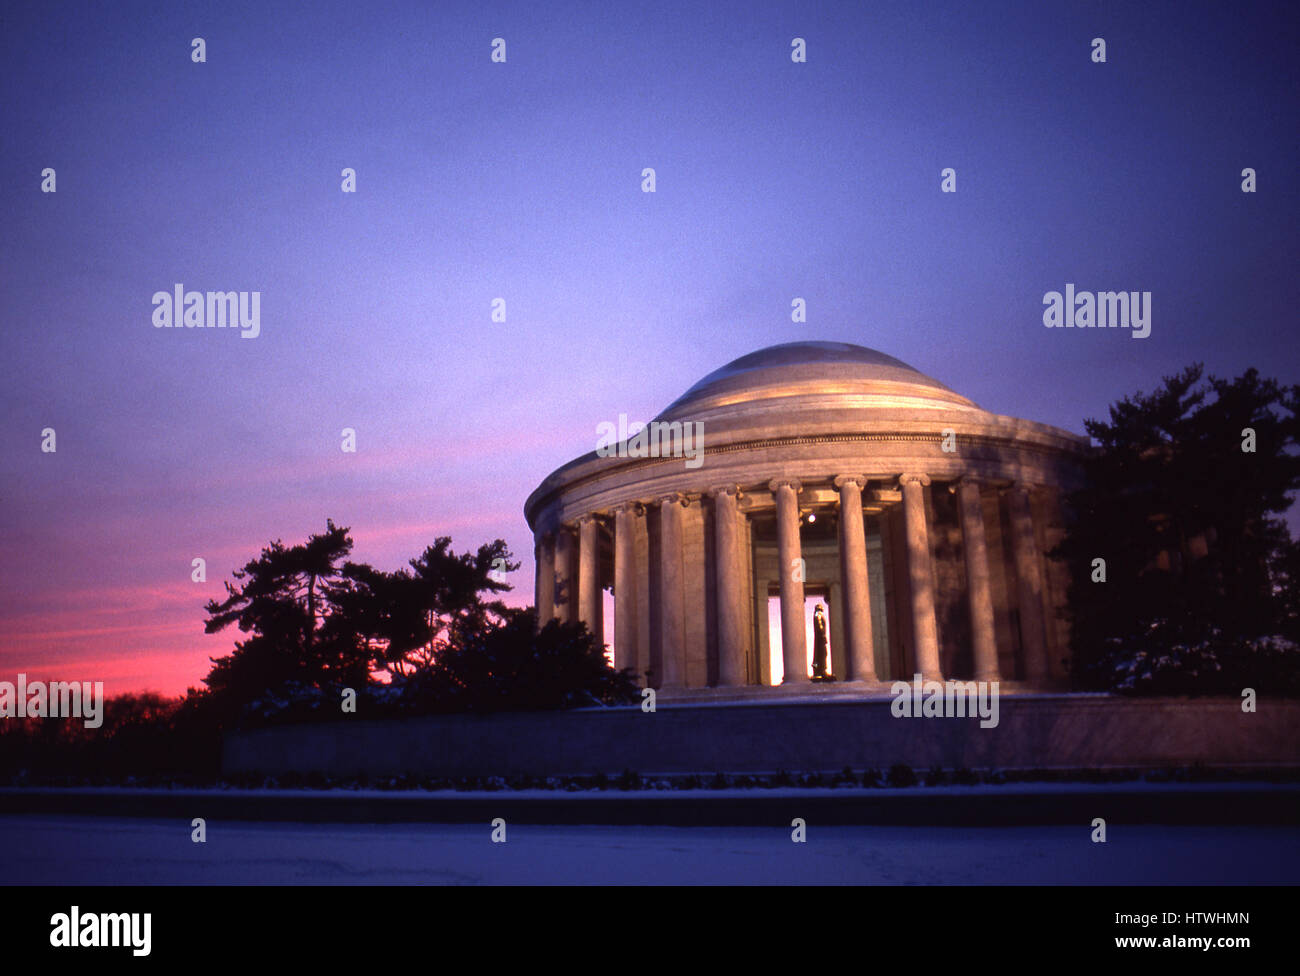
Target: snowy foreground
(95,850)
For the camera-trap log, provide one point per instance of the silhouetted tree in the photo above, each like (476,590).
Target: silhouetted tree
(408,618)
(1200,573)
(317,624)
(513,666)
(286,598)
(142,737)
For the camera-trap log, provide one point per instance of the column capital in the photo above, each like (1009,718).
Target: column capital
(724,490)
(590,517)
(912,478)
(776,484)
(673,498)
(970,480)
(630,508)
(844,479)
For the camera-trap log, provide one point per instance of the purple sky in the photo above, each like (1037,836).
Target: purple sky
(522,181)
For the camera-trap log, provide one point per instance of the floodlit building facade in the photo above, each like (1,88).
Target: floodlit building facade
(804,474)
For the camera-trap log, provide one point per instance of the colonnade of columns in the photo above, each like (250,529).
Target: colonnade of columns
(569,581)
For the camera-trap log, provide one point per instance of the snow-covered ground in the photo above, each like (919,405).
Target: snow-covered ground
(94,850)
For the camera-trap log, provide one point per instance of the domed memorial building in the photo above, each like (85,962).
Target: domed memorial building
(816,515)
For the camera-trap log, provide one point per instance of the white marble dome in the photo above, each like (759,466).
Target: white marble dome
(812,373)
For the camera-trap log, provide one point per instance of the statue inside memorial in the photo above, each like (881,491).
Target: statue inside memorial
(819,642)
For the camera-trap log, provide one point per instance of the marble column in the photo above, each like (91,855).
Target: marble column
(920,573)
(978,588)
(565,597)
(853,571)
(545,588)
(625,601)
(1030,584)
(672,603)
(837,662)
(794,639)
(730,585)
(589,576)
(646,623)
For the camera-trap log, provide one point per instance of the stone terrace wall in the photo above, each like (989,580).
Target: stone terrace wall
(1037,731)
